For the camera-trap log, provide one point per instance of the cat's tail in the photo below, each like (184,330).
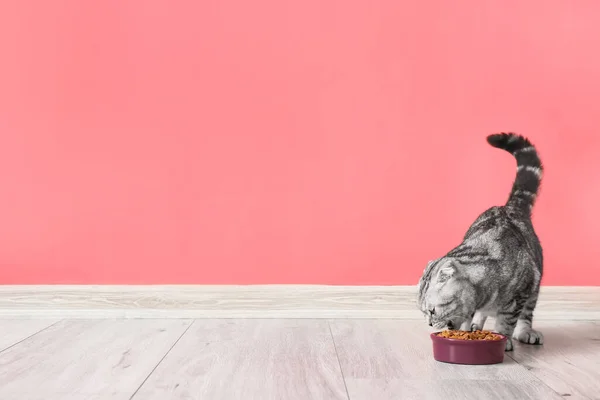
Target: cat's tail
(529,169)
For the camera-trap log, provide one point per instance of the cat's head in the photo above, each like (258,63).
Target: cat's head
(445,295)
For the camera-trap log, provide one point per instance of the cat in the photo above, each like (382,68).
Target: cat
(497,269)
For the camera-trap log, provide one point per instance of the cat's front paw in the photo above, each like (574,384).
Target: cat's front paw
(509,344)
(476,327)
(529,336)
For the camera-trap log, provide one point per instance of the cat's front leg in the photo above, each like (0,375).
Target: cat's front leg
(475,323)
(478,321)
(466,325)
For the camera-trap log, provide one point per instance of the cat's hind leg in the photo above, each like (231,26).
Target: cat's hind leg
(524,333)
(506,319)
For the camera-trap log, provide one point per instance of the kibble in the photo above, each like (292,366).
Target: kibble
(467,335)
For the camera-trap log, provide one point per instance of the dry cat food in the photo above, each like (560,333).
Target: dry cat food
(466,335)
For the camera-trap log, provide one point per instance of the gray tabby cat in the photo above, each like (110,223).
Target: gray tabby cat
(496,270)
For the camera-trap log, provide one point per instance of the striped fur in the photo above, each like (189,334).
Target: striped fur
(498,267)
(529,169)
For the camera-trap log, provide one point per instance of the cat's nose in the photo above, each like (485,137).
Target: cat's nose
(431,324)
(450,325)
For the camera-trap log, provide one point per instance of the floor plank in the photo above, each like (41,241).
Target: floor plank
(569,360)
(86,360)
(379,356)
(280,359)
(447,389)
(250,359)
(14,331)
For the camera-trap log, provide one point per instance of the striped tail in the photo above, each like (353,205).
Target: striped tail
(529,169)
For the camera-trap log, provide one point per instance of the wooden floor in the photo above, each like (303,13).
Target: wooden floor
(303,359)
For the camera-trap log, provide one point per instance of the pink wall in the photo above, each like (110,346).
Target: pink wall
(281,141)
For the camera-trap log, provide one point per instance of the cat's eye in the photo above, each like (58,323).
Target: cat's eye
(432,311)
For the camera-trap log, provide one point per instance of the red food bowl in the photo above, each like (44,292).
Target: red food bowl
(472,352)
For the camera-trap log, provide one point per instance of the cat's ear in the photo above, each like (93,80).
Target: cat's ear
(429,263)
(446,271)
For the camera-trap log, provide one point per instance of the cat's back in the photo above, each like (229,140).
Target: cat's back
(508,228)
(487,221)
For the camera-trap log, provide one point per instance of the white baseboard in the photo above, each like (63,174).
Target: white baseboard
(263,301)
